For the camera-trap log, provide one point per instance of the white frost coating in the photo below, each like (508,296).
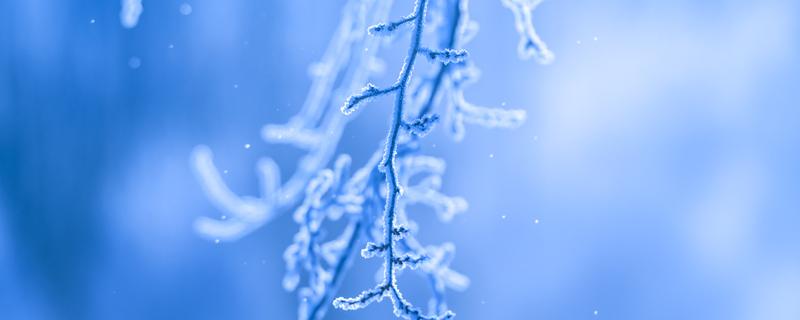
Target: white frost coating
(421,164)
(130,12)
(427,192)
(306,129)
(488,117)
(301,137)
(464,112)
(242,213)
(270,178)
(530,45)
(439,265)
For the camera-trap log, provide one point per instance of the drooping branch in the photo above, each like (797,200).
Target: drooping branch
(374,199)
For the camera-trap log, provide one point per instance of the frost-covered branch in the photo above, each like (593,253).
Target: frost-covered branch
(369,92)
(387,29)
(393,260)
(445,56)
(373,200)
(316,128)
(421,126)
(530,45)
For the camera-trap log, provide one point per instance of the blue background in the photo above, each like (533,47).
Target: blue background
(661,160)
